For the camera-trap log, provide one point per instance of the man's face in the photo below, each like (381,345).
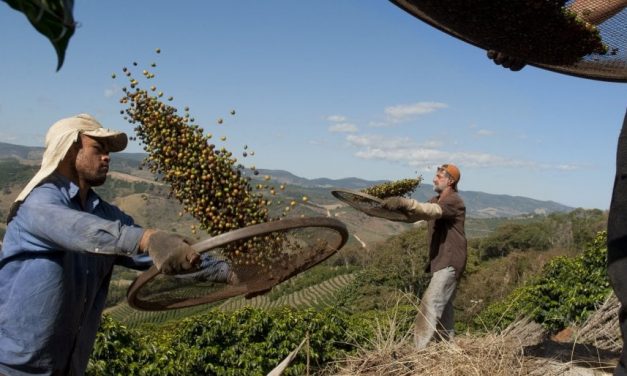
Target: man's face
(441,180)
(92,161)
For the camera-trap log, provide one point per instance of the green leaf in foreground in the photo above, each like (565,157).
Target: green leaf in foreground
(52,18)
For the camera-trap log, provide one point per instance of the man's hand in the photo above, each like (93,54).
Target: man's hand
(399,203)
(506,61)
(171,253)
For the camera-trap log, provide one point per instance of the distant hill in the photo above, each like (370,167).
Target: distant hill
(289,178)
(20,152)
(479,204)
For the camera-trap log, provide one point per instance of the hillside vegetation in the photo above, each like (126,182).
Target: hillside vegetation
(554,279)
(547,265)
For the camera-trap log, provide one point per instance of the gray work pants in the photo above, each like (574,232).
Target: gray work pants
(435,312)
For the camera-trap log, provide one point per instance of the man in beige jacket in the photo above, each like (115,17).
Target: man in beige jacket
(445,215)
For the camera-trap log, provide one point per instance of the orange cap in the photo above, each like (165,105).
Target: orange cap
(452,170)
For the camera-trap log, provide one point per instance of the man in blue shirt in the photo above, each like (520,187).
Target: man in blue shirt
(58,253)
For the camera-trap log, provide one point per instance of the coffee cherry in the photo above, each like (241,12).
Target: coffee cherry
(403,187)
(208,182)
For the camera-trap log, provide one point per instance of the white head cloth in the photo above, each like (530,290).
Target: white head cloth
(60,138)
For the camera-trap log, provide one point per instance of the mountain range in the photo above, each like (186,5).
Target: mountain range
(478,204)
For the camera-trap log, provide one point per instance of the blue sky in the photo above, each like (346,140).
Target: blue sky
(325,89)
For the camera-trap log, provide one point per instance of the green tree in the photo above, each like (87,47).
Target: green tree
(513,236)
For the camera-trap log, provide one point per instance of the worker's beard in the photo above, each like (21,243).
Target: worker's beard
(439,188)
(92,171)
(96,180)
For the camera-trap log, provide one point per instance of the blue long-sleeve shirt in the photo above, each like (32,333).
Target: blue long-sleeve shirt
(55,266)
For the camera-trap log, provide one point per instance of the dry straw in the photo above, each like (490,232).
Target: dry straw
(523,348)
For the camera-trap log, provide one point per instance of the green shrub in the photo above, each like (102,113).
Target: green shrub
(119,351)
(565,293)
(253,341)
(516,237)
(573,230)
(12,172)
(245,342)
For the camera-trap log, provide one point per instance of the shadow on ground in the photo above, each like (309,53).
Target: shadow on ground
(581,355)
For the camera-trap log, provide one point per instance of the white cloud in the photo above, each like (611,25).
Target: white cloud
(7,137)
(336,118)
(377,141)
(484,133)
(432,144)
(359,140)
(404,112)
(412,157)
(567,167)
(402,150)
(343,128)
(378,124)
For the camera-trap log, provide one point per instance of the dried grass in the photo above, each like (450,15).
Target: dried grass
(522,349)
(602,329)
(491,355)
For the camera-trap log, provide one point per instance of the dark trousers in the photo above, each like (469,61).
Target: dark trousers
(617,241)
